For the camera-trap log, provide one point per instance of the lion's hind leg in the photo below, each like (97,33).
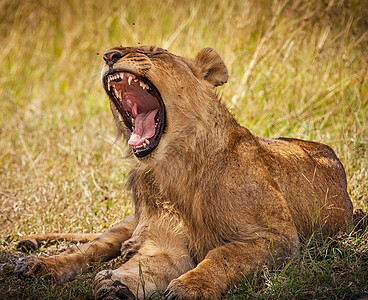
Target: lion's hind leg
(33,242)
(68,264)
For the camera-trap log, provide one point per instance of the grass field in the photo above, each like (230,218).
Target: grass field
(297,69)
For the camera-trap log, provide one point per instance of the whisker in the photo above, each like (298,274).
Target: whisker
(94,82)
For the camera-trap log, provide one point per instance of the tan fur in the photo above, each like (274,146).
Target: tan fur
(212,200)
(33,242)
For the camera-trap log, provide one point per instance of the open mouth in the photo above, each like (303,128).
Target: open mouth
(141,107)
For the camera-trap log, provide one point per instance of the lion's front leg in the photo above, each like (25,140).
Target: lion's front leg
(147,274)
(222,268)
(67,265)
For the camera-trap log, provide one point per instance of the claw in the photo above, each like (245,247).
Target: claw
(123,292)
(108,288)
(102,293)
(169,295)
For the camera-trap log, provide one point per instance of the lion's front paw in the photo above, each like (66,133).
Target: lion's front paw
(187,289)
(105,287)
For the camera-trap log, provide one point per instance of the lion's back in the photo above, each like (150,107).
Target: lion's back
(313,181)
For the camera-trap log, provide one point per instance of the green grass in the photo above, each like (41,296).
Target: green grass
(297,69)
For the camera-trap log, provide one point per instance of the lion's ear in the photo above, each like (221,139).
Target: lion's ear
(211,66)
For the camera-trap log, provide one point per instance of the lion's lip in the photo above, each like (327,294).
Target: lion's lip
(140,105)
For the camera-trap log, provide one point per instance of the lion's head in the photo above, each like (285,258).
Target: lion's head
(152,91)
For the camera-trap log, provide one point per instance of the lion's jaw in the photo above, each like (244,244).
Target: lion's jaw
(153,93)
(136,104)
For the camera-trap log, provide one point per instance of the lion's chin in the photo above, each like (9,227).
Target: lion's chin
(139,105)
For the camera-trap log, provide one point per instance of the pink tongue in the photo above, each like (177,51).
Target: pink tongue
(144,128)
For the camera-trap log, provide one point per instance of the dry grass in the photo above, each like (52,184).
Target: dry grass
(297,69)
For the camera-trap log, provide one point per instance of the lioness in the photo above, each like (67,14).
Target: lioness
(212,201)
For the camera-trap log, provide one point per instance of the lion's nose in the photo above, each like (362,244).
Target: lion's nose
(112,57)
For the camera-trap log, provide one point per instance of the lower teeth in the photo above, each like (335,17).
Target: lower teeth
(144,145)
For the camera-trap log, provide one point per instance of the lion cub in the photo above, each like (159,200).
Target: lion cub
(212,201)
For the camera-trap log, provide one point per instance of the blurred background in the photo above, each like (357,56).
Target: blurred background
(297,69)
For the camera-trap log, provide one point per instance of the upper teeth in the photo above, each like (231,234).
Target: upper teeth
(120,76)
(115,76)
(143,85)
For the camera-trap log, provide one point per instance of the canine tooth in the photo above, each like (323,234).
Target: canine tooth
(146,141)
(133,121)
(130,80)
(116,93)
